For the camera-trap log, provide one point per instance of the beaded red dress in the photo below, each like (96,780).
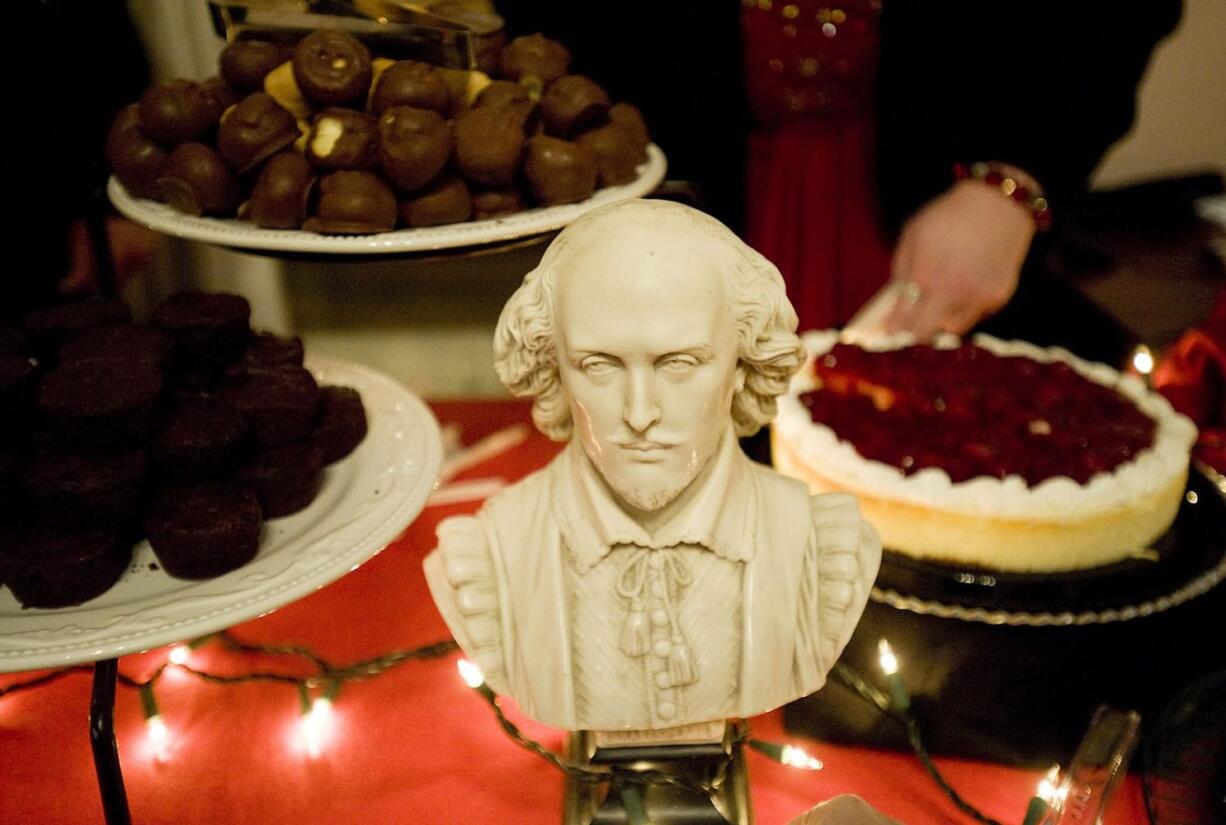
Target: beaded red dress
(810,187)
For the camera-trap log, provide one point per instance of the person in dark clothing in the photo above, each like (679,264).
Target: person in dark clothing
(850,163)
(87,64)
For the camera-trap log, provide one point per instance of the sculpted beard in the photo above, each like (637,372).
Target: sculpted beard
(649,491)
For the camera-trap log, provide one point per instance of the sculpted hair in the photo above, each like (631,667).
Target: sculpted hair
(525,354)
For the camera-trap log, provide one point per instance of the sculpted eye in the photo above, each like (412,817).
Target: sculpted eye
(678,363)
(596,365)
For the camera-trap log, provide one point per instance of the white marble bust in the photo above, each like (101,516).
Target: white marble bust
(652,576)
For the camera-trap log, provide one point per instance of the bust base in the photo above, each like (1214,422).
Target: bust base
(665,804)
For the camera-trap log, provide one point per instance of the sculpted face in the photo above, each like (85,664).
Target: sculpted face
(648,361)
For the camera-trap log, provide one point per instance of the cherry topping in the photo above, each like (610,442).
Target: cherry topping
(973,413)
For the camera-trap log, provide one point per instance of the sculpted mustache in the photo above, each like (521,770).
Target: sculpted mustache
(645,444)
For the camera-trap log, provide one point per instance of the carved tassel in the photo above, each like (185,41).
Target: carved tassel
(635,637)
(681,664)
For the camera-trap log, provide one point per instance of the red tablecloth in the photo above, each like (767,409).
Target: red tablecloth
(411,745)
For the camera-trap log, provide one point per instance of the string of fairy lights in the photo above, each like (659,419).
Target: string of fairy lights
(318,691)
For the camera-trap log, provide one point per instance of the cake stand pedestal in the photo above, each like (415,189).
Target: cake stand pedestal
(102,741)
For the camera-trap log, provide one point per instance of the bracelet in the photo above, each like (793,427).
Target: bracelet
(995,175)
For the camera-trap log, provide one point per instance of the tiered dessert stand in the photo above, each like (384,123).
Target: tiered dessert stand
(366,500)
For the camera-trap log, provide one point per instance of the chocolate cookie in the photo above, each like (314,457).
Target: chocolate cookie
(101,405)
(203,439)
(265,349)
(341,425)
(50,567)
(72,489)
(278,403)
(285,478)
(49,327)
(117,342)
(205,530)
(208,330)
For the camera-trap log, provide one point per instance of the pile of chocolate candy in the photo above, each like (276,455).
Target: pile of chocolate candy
(324,136)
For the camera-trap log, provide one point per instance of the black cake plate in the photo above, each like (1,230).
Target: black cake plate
(1188,560)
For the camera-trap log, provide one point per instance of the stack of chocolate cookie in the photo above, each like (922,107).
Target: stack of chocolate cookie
(323,135)
(190,430)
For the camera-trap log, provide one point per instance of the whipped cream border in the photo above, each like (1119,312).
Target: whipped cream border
(1055,499)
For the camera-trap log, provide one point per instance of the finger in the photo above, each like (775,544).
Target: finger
(961,317)
(902,262)
(903,306)
(928,317)
(81,262)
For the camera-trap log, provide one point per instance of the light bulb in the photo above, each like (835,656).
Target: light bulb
(159,738)
(1049,790)
(179,654)
(799,758)
(470,673)
(889,662)
(317,726)
(1143,360)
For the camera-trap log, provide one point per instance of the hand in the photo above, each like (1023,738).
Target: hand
(132,248)
(958,260)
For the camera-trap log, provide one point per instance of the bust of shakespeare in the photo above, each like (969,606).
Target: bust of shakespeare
(652,576)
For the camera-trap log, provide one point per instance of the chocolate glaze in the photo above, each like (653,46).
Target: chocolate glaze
(254,129)
(332,68)
(489,145)
(280,195)
(445,201)
(414,146)
(175,111)
(617,152)
(244,63)
(343,139)
(353,203)
(559,171)
(535,56)
(411,83)
(491,203)
(572,104)
(135,158)
(197,181)
(631,119)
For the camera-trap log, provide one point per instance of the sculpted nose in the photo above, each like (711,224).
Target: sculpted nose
(642,408)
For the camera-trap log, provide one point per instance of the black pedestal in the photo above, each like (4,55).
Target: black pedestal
(720,765)
(102,740)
